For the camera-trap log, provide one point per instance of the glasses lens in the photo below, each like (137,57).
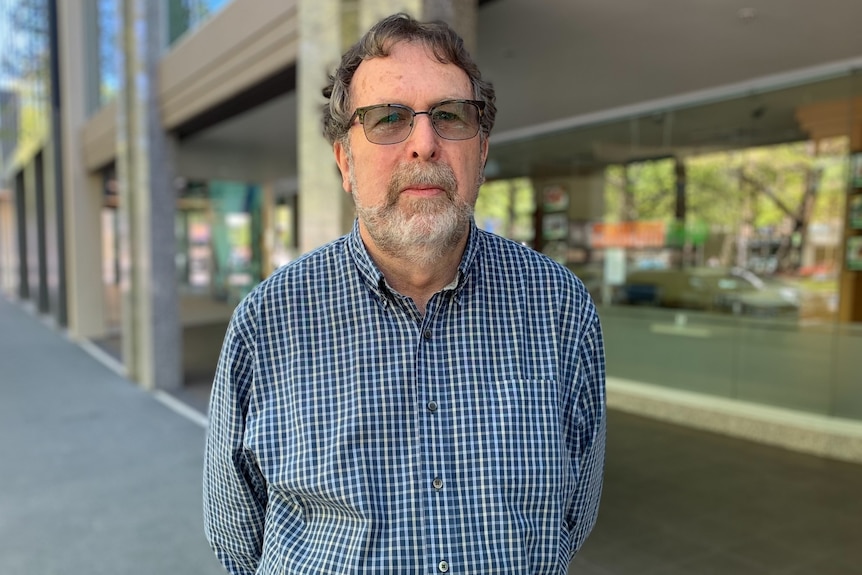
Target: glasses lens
(387,124)
(456,120)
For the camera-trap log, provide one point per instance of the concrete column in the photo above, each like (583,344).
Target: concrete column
(323,205)
(8,279)
(460,14)
(327,29)
(152,337)
(82,238)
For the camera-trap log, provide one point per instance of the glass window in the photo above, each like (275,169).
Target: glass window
(186,15)
(714,237)
(24,77)
(108,26)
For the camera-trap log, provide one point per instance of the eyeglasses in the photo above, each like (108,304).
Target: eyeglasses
(393,123)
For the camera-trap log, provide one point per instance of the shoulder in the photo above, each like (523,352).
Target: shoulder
(295,282)
(310,271)
(538,270)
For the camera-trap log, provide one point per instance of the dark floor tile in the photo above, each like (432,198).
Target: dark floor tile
(758,517)
(825,566)
(710,533)
(580,566)
(835,536)
(773,556)
(714,564)
(647,551)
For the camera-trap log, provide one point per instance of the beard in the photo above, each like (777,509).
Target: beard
(420,229)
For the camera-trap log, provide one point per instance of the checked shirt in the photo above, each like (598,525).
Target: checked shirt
(350,434)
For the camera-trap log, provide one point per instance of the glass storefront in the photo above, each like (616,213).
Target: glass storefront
(712,235)
(219,239)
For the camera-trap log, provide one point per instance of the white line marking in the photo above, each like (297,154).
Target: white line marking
(181,408)
(102,356)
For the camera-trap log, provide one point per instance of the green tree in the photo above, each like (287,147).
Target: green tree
(507,206)
(774,193)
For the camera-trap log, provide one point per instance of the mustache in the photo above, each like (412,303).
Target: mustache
(437,175)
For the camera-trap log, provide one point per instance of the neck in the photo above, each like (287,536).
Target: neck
(417,273)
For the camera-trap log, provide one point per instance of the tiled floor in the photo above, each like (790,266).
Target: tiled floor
(683,502)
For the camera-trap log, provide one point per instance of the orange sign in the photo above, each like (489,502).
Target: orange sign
(627,235)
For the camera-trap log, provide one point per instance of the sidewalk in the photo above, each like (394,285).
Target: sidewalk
(97,476)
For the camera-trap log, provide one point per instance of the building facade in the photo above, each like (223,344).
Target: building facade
(699,167)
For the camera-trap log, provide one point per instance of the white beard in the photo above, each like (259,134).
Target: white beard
(419,229)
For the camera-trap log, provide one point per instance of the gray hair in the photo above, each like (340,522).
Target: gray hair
(446,46)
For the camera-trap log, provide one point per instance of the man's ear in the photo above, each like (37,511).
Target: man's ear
(343,165)
(484,151)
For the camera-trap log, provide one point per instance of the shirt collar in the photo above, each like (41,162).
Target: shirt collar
(375,281)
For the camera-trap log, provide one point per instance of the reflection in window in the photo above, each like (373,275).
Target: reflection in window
(185,15)
(768,218)
(506,207)
(24,74)
(108,26)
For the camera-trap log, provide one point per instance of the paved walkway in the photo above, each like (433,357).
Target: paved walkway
(96,475)
(679,501)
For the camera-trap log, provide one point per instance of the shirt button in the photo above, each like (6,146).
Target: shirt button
(427,334)
(437,483)
(432,406)
(443,566)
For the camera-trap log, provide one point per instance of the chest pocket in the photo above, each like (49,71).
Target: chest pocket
(520,438)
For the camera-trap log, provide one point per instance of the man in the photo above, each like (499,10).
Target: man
(418,396)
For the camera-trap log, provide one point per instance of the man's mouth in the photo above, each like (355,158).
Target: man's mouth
(422,190)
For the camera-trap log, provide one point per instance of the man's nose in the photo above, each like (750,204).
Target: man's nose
(423,140)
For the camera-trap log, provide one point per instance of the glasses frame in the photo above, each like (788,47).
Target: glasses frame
(360,114)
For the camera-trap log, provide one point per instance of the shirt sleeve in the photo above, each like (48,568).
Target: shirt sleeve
(587,434)
(234,491)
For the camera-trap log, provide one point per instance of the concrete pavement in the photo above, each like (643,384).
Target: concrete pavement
(96,475)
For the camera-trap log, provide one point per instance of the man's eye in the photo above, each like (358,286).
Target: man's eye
(390,118)
(444,116)
(386,118)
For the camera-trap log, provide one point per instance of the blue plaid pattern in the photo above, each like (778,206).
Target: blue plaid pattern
(349,434)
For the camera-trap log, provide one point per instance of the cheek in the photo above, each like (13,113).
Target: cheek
(473,172)
(371,177)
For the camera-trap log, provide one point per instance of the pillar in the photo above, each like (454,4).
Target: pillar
(152,334)
(82,192)
(324,207)
(460,14)
(8,277)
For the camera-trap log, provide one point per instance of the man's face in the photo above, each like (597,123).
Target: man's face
(416,195)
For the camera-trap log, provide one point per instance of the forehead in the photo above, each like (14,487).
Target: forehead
(409,75)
